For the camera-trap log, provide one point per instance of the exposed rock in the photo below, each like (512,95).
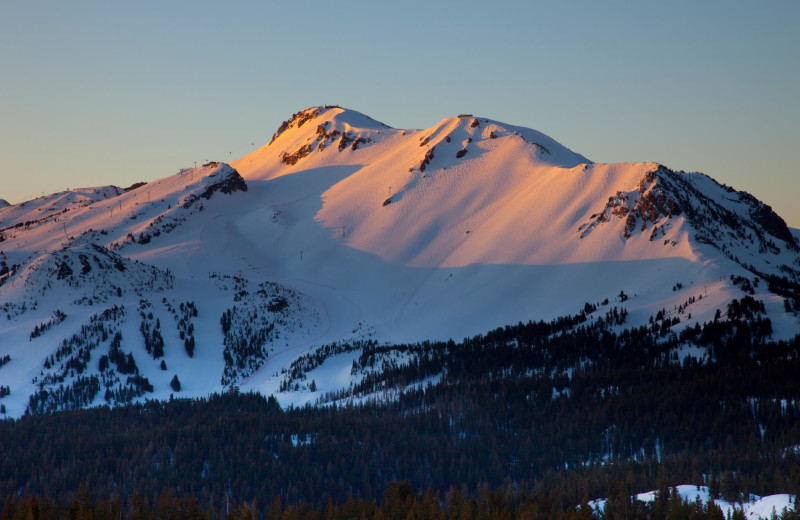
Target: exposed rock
(663,194)
(230,182)
(297,120)
(134,186)
(770,221)
(426,160)
(352,140)
(292,158)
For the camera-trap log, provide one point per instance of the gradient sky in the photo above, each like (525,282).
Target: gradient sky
(99,92)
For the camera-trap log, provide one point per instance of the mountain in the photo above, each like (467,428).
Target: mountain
(343,229)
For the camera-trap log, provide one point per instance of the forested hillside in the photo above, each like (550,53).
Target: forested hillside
(560,413)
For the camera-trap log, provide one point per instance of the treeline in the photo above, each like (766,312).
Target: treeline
(399,502)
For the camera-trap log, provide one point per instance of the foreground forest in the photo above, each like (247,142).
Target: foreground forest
(532,419)
(399,502)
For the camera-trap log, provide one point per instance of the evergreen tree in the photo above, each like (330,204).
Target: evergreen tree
(175,384)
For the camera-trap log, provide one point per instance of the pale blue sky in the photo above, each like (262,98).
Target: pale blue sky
(102,92)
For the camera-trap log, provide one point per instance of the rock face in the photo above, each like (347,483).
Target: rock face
(297,120)
(663,194)
(226,180)
(321,139)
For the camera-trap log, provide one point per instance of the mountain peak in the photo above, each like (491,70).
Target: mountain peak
(325,115)
(466,129)
(311,137)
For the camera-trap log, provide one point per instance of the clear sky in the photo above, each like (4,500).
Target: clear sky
(98,92)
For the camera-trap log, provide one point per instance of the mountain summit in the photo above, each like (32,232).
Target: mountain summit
(343,229)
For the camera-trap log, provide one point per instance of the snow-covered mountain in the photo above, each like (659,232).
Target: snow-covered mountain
(343,229)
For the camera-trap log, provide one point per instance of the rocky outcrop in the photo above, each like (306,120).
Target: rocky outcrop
(732,221)
(322,139)
(297,120)
(230,181)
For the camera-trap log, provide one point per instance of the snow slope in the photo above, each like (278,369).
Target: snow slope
(343,228)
